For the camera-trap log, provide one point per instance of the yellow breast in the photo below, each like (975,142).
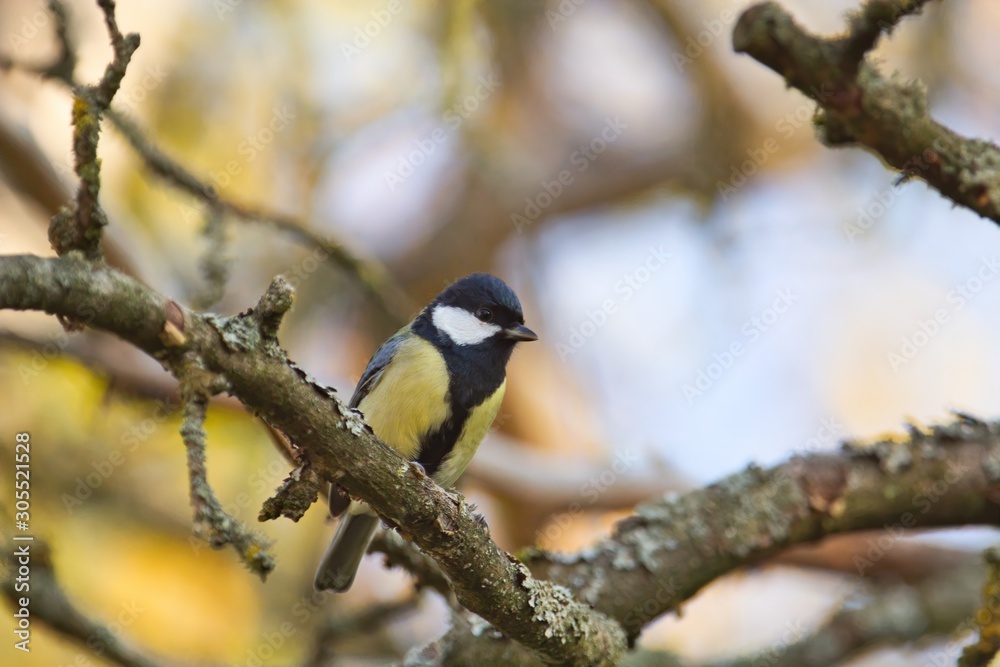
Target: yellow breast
(410,399)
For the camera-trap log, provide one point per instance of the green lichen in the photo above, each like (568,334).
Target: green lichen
(236,334)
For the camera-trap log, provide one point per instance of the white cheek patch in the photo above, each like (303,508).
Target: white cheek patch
(462,326)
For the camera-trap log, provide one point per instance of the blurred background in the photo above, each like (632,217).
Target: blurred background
(710,285)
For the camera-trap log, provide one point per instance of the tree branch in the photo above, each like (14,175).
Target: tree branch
(80,229)
(30,172)
(209,515)
(654,561)
(892,614)
(538,614)
(371,275)
(671,548)
(861,107)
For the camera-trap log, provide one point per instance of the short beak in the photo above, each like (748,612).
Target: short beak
(519,333)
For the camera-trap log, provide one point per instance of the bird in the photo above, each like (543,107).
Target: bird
(431,392)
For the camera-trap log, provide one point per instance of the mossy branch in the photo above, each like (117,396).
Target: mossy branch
(672,547)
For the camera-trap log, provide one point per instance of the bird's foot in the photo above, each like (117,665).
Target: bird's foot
(477,517)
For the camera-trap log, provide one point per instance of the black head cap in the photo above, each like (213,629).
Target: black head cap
(479,290)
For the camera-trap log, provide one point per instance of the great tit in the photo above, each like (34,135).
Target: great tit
(431,392)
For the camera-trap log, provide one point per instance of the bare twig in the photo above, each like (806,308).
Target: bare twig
(867,25)
(209,515)
(80,229)
(370,274)
(31,173)
(64,66)
(214,261)
(893,614)
(373,278)
(400,553)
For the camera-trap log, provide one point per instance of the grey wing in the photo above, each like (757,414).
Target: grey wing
(376,367)
(339,499)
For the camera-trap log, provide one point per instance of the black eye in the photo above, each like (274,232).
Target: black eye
(484,315)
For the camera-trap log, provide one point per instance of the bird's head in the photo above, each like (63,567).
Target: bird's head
(478,309)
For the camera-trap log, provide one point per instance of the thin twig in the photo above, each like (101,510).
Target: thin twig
(209,515)
(373,278)
(214,262)
(80,229)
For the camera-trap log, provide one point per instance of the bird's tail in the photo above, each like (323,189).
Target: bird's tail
(340,564)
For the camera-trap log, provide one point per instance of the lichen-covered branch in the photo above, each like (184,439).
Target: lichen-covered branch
(672,547)
(80,229)
(860,106)
(94,102)
(654,561)
(335,441)
(209,516)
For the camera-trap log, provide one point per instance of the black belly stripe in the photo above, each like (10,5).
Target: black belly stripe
(436,446)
